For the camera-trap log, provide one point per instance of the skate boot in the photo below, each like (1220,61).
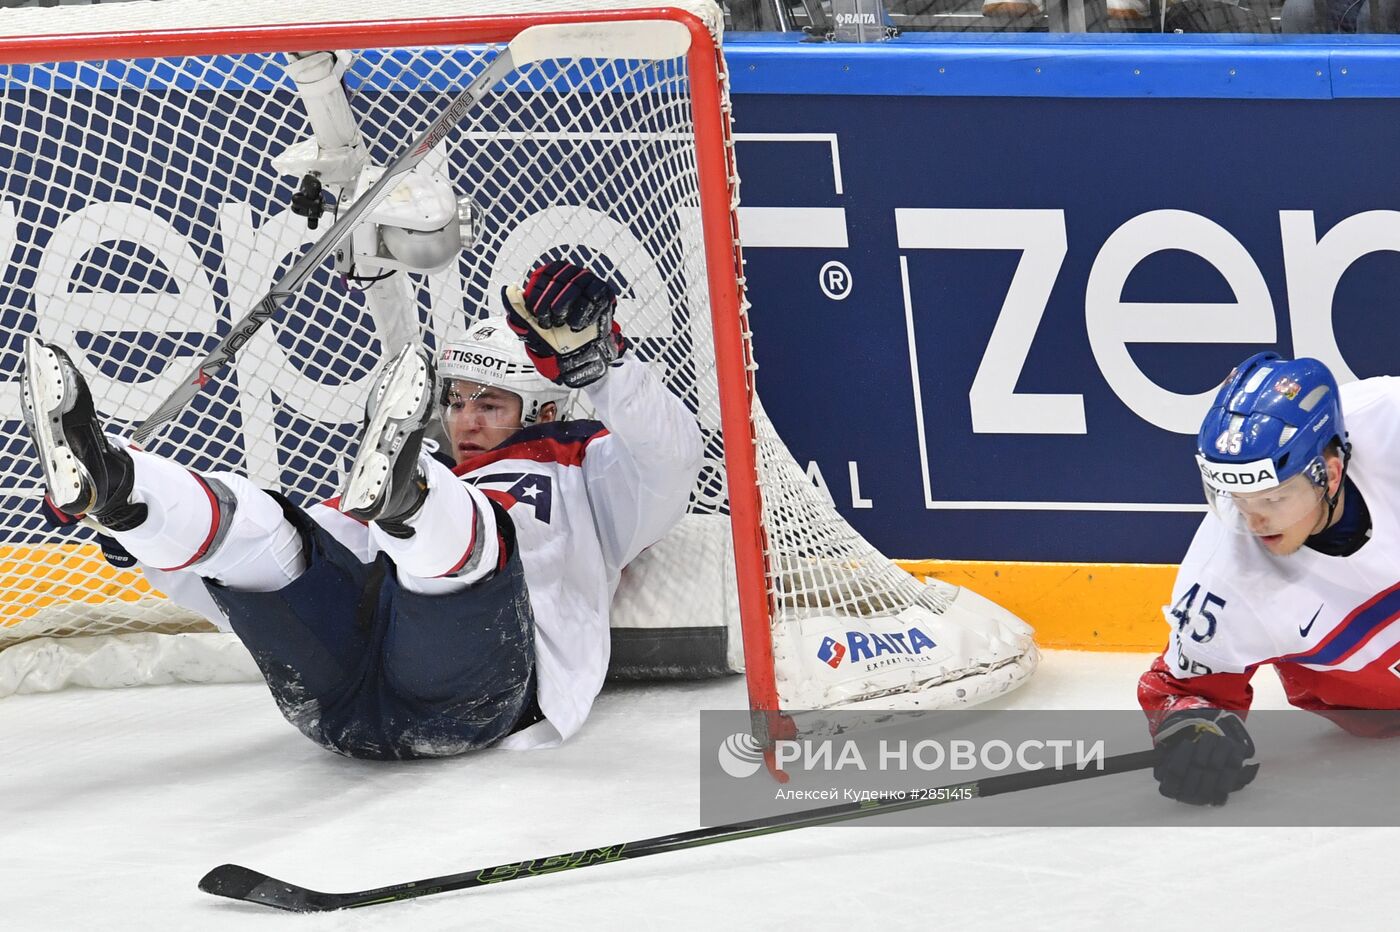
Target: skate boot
(86,473)
(385,484)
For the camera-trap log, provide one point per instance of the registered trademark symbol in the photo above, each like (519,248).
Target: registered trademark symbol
(835,280)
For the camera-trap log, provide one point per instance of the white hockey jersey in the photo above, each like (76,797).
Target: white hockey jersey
(1329,624)
(586,497)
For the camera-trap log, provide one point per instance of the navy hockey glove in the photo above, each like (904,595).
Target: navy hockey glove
(560,294)
(113,552)
(54,517)
(1203,755)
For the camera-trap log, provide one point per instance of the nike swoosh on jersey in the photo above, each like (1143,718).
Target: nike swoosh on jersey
(1305,629)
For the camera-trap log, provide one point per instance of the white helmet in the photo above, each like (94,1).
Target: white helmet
(490,354)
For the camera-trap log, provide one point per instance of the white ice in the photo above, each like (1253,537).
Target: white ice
(113,803)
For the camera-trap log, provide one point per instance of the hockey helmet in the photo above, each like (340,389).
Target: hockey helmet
(1260,447)
(490,354)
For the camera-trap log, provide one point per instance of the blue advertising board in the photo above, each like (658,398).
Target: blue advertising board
(995,279)
(991,319)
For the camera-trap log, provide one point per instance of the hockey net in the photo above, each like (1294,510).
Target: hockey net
(141,212)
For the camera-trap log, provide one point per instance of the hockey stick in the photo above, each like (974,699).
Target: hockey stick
(638,39)
(241,883)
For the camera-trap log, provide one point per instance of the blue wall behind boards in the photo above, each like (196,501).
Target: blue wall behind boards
(1153,240)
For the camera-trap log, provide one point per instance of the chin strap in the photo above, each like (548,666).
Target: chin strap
(1332,500)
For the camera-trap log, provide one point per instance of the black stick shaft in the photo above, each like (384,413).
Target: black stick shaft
(241,883)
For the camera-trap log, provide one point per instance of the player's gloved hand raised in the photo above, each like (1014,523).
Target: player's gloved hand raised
(1203,755)
(561,293)
(562,296)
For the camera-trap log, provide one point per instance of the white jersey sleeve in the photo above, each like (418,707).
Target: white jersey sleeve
(639,475)
(186,589)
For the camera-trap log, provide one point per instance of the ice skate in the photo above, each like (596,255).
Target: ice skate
(85,472)
(385,484)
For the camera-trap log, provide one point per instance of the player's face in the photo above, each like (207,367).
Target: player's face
(1283,518)
(479,418)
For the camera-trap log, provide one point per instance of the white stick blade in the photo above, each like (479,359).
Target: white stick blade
(644,39)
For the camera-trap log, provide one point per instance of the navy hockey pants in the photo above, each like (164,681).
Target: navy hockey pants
(367,669)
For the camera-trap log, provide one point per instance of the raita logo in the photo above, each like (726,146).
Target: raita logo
(740,755)
(831,652)
(871,645)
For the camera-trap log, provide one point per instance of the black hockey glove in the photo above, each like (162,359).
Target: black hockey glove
(1203,755)
(561,294)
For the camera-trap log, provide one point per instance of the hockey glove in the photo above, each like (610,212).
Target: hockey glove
(563,295)
(113,552)
(1203,755)
(54,517)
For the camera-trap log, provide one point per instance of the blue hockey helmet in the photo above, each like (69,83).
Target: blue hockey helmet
(1271,421)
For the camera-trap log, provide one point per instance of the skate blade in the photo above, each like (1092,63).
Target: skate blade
(400,399)
(46,399)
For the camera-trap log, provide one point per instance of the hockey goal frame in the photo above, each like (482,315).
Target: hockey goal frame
(717,186)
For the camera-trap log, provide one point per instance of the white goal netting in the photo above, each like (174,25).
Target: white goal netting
(141,212)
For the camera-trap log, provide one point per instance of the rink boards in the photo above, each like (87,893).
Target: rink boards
(1006,274)
(995,280)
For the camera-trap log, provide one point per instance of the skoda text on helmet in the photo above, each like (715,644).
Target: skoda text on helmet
(1265,433)
(490,354)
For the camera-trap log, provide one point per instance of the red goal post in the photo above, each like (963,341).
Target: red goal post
(803,577)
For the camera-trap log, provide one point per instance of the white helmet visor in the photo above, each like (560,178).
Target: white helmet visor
(1249,499)
(495,408)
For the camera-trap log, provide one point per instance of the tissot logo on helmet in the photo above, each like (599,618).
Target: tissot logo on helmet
(471,358)
(489,354)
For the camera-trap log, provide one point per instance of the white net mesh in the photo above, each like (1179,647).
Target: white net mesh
(205,15)
(144,215)
(140,214)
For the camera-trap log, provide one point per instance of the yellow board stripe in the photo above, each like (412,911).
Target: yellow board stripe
(35,576)
(1072,606)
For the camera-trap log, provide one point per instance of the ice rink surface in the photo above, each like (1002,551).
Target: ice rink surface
(113,804)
